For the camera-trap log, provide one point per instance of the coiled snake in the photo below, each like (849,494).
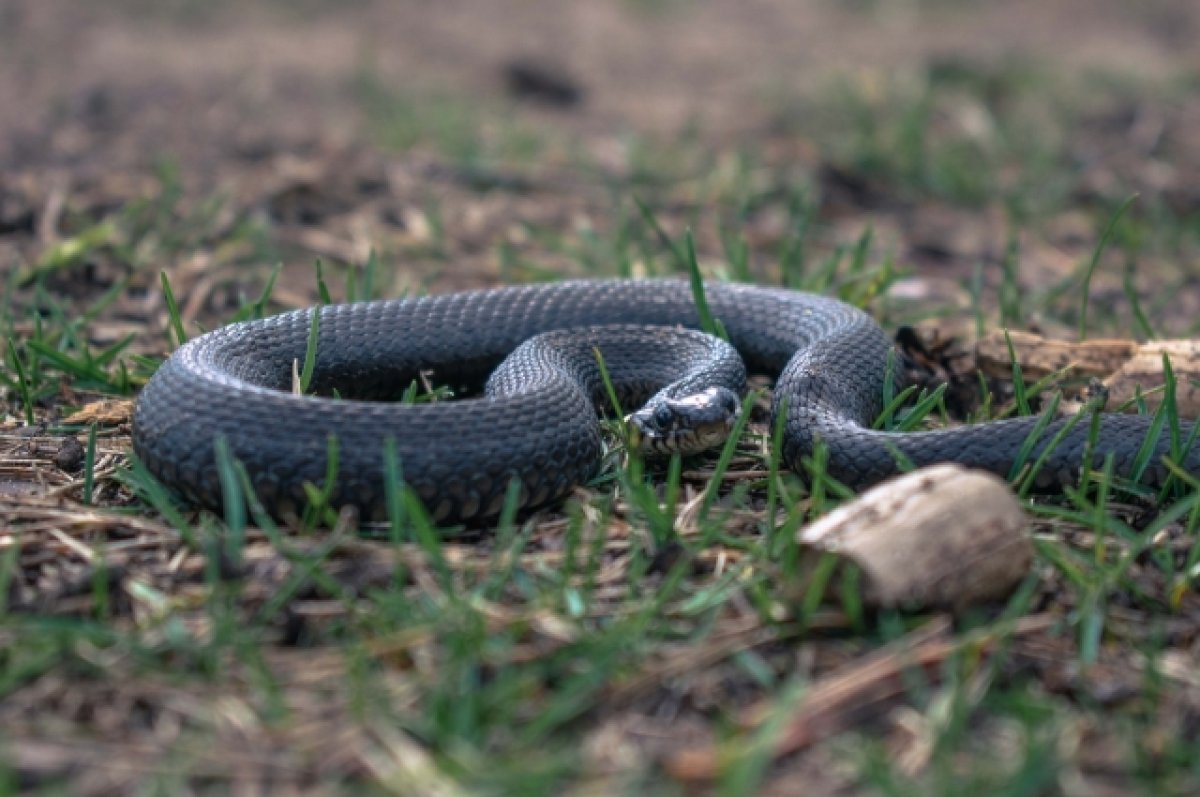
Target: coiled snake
(540,425)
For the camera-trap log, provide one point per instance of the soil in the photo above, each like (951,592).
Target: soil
(268,106)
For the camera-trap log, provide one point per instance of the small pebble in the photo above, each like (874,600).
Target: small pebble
(69,456)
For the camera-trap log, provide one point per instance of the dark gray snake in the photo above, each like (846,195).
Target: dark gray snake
(460,456)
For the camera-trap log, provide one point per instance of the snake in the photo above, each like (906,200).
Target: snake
(533,434)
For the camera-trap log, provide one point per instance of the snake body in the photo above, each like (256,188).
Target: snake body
(829,359)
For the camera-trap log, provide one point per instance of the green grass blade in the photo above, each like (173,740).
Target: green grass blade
(648,216)
(322,287)
(1105,237)
(176,320)
(89,465)
(232,498)
(24,383)
(310,351)
(708,324)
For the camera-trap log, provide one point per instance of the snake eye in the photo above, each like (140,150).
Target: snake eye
(663,417)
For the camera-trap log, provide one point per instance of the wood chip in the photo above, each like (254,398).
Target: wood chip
(940,536)
(1126,367)
(105,413)
(1040,357)
(1144,371)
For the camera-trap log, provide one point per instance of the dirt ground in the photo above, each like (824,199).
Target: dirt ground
(274,107)
(474,142)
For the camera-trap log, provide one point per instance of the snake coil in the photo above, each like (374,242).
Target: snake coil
(828,357)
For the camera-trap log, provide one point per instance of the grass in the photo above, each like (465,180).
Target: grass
(586,647)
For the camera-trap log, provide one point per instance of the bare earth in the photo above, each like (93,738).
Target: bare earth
(267,106)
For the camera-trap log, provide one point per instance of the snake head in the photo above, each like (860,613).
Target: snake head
(686,425)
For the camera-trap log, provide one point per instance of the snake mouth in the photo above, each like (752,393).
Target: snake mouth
(686,425)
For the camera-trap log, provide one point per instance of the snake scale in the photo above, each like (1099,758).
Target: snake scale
(829,359)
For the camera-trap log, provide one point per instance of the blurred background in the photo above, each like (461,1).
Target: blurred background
(468,142)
